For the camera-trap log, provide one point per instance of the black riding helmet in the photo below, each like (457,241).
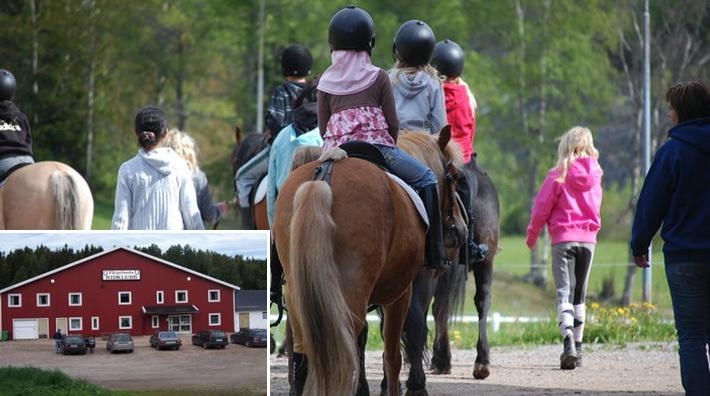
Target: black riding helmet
(296,61)
(7,85)
(413,43)
(448,58)
(351,29)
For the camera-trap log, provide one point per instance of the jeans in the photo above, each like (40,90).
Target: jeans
(407,168)
(249,174)
(689,284)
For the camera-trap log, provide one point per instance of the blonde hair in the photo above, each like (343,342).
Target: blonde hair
(184,145)
(401,67)
(575,143)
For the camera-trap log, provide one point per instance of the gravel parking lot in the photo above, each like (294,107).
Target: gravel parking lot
(190,367)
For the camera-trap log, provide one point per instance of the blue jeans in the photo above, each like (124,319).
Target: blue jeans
(407,168)
(689,284)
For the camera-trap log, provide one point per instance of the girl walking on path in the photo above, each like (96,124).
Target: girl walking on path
(569,203)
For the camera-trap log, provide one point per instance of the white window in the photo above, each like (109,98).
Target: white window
(215,319)
(14,300)
(75,299)
(124,298)
(75,324)
(42,299)
(155,321)
(213,295)
(159,297)
(94,323)
(180,296)
(125,322)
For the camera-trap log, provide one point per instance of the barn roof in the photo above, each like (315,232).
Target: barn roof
(134,251)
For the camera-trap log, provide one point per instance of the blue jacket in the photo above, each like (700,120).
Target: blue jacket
(676,193)
(282,151)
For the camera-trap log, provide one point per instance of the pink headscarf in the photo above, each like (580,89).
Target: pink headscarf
(351,72)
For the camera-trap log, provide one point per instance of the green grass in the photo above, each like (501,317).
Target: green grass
(30,381)
(512,297)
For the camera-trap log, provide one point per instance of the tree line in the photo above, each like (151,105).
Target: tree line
(247,273)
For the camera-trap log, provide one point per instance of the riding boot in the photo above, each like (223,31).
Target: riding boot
(247,218)
(434,249)
(300,372)
(470,253)
(277,272)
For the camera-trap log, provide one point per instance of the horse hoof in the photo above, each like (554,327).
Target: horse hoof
(420,392)
(481,371)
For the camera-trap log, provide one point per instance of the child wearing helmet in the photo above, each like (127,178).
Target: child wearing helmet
(15,133)
(448,59)
(154,189)
(296,62)
(460,103)
(355,102)
(416,87)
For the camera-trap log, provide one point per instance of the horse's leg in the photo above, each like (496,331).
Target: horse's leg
(363,389)
(483,273)
(415,334)
(394,318)
(441,308)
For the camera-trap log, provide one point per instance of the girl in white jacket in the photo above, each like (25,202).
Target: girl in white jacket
(154,189)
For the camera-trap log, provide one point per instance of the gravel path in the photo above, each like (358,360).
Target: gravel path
(634,369)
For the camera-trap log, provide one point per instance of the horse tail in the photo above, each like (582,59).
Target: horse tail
(324,315)
(66,201)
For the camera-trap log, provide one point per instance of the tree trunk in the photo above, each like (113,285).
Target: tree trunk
(90,86)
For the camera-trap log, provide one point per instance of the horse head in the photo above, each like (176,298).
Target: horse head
(443,157)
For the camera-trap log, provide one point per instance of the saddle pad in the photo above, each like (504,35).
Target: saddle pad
(413,196)
(260,193)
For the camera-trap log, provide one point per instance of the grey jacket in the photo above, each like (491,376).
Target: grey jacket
(419,99)
(154,191)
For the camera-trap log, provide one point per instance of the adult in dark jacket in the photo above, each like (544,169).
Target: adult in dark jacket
(675,197)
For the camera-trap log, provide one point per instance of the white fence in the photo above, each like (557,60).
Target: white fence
(495,319)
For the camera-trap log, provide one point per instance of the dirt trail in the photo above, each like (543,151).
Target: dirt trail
(635,369)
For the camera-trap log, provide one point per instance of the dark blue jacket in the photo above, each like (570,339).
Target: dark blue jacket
(676,193)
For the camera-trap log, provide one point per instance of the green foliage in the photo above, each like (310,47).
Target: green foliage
(247,273)
(29,381)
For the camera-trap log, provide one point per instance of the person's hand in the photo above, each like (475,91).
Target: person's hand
(223,207)
(530,242)
(641,261)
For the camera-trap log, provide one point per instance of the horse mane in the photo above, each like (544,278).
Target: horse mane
(424,146)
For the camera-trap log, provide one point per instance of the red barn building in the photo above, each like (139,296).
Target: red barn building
(120,290)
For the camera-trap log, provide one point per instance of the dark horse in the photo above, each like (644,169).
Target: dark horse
(246,148)
(451,286)
(448,292)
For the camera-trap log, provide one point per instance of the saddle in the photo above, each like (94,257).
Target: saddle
(12,169)
(370,153)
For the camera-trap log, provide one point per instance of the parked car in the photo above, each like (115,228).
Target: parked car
(165,340)
(210,339)
(119,342)
(73,344)
(249,337)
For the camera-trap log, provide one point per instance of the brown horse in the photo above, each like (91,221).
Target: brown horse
(354,242)
(331,276)
(45,196)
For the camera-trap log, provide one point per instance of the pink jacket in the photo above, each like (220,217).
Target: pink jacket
(571,208)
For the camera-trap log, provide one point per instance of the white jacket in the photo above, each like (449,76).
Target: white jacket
(154,191)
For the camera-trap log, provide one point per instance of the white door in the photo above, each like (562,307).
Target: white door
(25,329)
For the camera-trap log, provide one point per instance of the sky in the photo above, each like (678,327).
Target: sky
(249,244)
